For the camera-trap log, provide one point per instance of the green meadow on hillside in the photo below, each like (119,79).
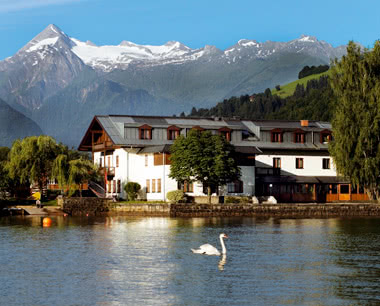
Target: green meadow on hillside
(288,89)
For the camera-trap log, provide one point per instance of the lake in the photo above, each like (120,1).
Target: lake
(147,261)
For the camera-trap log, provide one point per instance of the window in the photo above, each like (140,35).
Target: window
(276,135)
(146,160)
(100,162)
(245,134)
(117,160)
(108,161)
(113,186)
(326,163)
(118,186)
(198,128)
(226,132)
(186,186)
(344,189)
(276,166)
(173,132)
(326,136)
(158,185)
(299,136)
(299,163)
(276,162)
(145,132)
(235,187)
(153,185)
(147,186)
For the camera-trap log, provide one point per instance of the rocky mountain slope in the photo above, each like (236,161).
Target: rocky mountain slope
(14,125)
(62,82)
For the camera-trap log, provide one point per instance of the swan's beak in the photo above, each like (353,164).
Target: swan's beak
(225,236)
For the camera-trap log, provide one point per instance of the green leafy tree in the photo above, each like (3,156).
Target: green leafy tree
(31,160)
(80,171)
(4,175)
(203,157)
(61,167)
(131,189)
(355,149)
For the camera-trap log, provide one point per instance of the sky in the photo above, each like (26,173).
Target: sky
(195,23)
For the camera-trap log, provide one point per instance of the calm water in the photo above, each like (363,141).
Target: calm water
(147,261)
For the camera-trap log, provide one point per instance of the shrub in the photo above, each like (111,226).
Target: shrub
(237,199)
(278,87)
(132,188)
(175,196)
(230,200)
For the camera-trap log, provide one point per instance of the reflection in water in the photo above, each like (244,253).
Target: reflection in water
(222,262)
(146,261)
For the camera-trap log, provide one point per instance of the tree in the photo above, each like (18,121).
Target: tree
(203,157)
(355,149)
(4,176)
(131,189)
(31,159)
(61,167)
(80,171)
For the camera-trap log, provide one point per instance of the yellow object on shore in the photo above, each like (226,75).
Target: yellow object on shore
(36,196)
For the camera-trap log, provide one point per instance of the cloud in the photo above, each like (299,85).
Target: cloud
(19,5)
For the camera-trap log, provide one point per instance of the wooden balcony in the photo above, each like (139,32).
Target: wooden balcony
(56,187)
(102,146)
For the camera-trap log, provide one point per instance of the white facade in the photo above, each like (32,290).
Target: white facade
(129,149)
(311,165)
(154,180)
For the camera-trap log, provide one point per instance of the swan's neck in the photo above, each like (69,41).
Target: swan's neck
(224,251)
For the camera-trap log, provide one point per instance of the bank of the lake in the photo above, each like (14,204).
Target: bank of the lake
(86,206)
(96,206)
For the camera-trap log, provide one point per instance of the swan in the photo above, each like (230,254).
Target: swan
(208,249)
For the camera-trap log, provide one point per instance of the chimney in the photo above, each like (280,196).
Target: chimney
(304,122)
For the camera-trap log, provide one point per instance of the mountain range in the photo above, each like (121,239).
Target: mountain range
(61,82)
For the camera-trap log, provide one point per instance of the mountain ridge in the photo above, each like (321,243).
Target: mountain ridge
(54,75)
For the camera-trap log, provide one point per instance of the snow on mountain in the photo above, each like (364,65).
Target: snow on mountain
(251,49)
(109,57)
(106,57)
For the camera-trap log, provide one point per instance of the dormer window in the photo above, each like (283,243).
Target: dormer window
(198,128)
(226,132)
(326,136)
(145,132)
(299,136)
(173,132)
(276,135)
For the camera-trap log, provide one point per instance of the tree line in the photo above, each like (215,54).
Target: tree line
(306,71)
(313,102)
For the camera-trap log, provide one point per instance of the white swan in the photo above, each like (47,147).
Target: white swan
(208,249)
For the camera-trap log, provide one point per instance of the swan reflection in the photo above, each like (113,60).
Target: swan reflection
(222,262)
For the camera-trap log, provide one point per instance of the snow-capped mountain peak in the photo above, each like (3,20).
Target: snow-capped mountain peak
(306,38)
(108,57)
(48,37)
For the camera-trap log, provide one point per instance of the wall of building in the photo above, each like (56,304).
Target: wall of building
(312,165)
(140,168)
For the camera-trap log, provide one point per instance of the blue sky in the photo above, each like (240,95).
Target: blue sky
(194,23)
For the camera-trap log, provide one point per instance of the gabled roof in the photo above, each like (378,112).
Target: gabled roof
(114,126)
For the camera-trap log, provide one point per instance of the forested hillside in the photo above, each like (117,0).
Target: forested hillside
(313,102)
